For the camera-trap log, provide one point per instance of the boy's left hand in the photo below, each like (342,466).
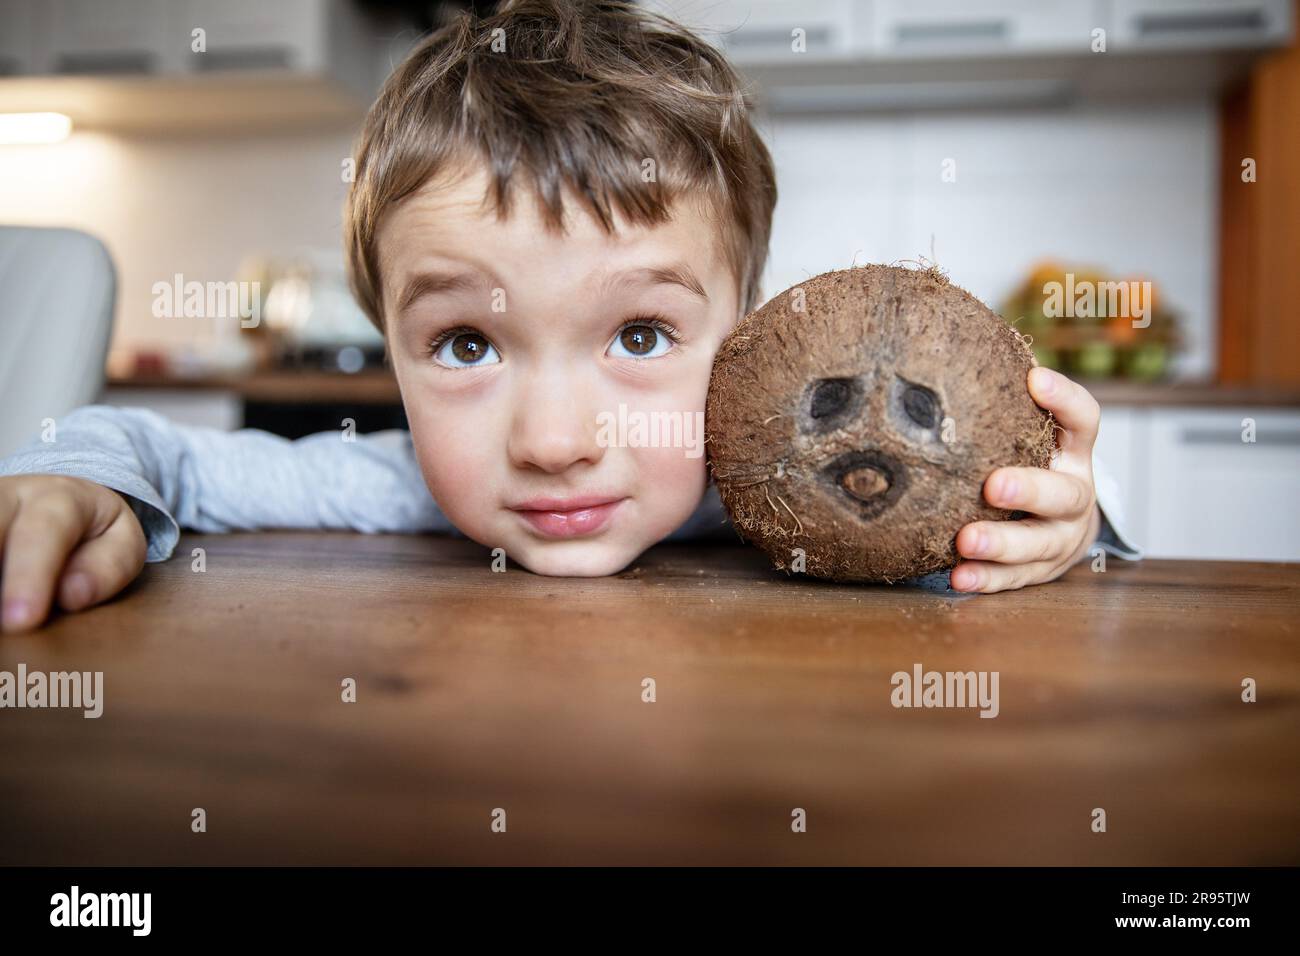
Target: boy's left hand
(1061,503)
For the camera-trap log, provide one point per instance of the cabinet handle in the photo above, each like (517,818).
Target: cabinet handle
(1232,436)
(968,31)
(1191,21)
(249,58)
(764,38)
(106,63)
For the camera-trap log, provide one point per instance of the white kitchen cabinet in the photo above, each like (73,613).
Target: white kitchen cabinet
(263,64)
(758,32)
(157,37)
(1192,487)
(1212,494)
(248,34)
(312,36)
(885,55)
(763,31)
(89,37)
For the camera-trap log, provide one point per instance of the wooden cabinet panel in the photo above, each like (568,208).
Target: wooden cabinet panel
(1259,297)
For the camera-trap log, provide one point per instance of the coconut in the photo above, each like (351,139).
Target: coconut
(853,419)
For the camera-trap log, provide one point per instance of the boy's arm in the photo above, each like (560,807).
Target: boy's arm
(210,480)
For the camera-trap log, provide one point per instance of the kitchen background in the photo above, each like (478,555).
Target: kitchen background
(1009,141)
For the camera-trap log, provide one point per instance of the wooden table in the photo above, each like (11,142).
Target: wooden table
(479,690)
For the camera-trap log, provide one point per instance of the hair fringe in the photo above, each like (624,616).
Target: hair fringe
(586,91)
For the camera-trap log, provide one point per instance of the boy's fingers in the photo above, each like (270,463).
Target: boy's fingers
(8,508)
(39,538)
(102,566)
(1011,542)
(1074,408)
(987,578)
(1049,494)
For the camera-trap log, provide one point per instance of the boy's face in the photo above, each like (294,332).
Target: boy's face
(514,348)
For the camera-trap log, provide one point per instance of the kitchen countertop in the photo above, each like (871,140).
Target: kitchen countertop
(377,386)
(480,691)
(1194,394)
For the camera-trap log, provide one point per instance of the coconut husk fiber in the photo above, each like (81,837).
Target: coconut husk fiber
(856,416)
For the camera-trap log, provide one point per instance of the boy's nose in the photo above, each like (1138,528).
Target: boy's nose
(552,436)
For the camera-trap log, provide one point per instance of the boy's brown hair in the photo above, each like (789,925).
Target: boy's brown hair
(588,94)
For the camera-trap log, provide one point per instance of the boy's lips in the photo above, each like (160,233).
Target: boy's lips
(568,517)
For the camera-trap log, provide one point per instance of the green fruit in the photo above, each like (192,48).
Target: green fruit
(1096,360)
(1147,362)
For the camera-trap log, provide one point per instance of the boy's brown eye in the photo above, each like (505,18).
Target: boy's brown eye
(639,339)
(466,350)
(469,348)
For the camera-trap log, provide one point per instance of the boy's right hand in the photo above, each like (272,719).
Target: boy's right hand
(65,538)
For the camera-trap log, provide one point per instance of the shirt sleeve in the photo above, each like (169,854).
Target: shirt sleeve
(1113,536)
(709,521)
(209,480)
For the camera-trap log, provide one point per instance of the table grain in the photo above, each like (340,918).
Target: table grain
(483,693)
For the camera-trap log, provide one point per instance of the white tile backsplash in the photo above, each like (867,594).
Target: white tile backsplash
(196,205)
(1125,188)
(1128,189)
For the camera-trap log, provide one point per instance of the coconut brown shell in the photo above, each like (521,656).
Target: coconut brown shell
(856,416)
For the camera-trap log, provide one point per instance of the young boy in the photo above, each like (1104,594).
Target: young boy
(558,209)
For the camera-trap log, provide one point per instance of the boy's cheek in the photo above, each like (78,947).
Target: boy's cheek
(456,461)
(671,485)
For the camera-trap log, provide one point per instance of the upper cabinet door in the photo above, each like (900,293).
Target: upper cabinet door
(761,32)
(257,34)
(1199,24)
(774,31)
(955,28)
(92,37)
(121,37)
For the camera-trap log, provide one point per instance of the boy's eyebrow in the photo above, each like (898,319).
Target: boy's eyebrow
(678,273)
(434,282)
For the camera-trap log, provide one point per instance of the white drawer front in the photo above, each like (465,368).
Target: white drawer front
(1210,494)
